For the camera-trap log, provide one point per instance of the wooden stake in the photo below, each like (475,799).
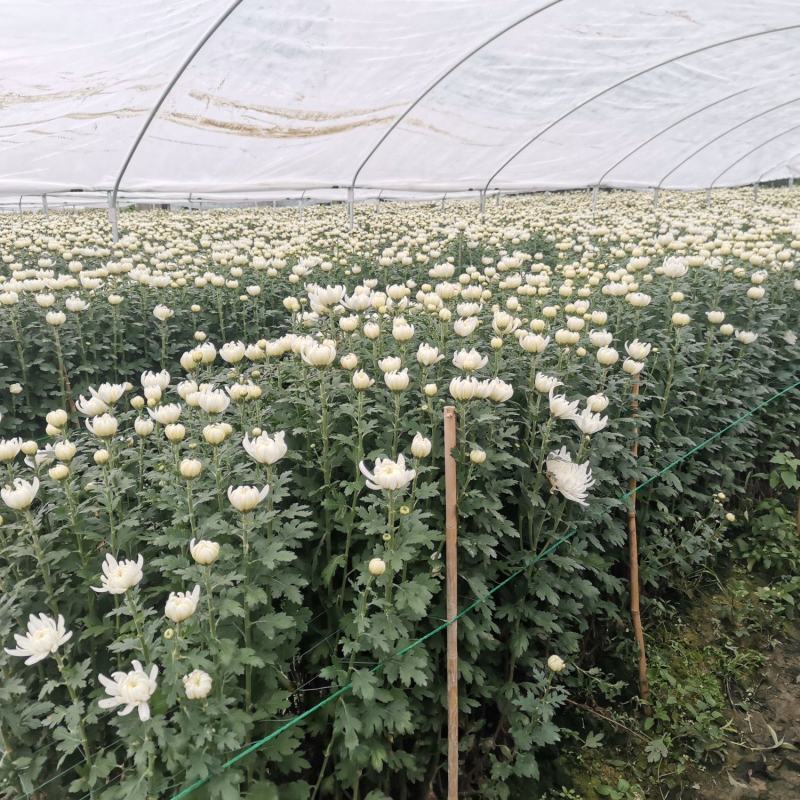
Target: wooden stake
(633,549)
(451,554)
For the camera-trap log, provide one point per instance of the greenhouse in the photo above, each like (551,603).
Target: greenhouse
(399,401)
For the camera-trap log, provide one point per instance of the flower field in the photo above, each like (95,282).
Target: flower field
(224,479)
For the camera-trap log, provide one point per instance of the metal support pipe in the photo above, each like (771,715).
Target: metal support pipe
(623,81)
(351,214)
(751,151)
(20,203)
(755,192)
(483,203)
(655,196)
(791,181)
(443,199)
(157,107)
(595,189)
(724,133)
(708,198)
(44,204)
(666,130)
(442,77)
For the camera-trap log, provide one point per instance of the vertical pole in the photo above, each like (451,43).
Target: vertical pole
(350,204)
(708,197)
(655,197)
(20,203)
(451,553)
(44,204)
(443,197)
(755,191)
(112,215)
(483,202)
(791,181)
(594,198)
(633,554)
(497,199)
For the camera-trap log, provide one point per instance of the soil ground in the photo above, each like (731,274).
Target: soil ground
(770,725)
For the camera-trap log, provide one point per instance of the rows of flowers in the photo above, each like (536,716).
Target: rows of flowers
(223,497)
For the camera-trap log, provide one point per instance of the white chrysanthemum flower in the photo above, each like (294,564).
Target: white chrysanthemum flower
(746,337)
(534,342)
(597,403)
(160,379)
(638,350)
(318,354)
(572,480)
(109,393)
(390,364)
(104,426)
(119,576)
(674,267)
(427,355)
(589,423)
(91,407)
(544,384)
(45,635)
(132,690)
(204,551)
(388,475)
(197,685)
(396,381)
(181,605)
(266,449)
(246,498)
(561,408)
(499,391)
(469,360)
(21,494)
(167,414)
(212,401)
(420,446)
(9,448)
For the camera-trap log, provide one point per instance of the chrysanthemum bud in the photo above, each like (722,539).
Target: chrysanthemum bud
(377,566)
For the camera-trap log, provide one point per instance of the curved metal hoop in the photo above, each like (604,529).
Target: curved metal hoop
(751,151)
(157,107)
(666,130)
(622,82)
(442,77)
(723,135)
(782,162)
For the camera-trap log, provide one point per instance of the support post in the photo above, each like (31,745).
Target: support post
(44,204)
(112,215)
(655,197)
(443,198)
(497,199)
(633,557)
(791,181)
(451,553)
(708,198)
(755,192)
(595,189)
(350,207)
(20,203)
(483,202)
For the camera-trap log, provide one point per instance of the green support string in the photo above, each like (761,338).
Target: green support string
(257,745)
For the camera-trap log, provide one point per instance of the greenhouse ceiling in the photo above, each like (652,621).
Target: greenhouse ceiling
(424,96)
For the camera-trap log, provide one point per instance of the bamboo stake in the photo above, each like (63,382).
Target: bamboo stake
(451,553)
(633,547)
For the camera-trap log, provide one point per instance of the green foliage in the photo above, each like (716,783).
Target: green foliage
(290,611)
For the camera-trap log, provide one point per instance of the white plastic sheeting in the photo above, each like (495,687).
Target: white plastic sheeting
(418,96)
